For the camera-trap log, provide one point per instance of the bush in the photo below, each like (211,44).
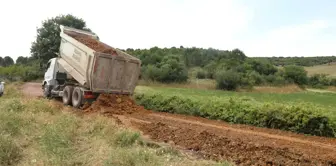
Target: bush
(319,80)
(170,69)
(256,78)
(296,73)
(201,74)
(20,73)
(298,117)
(228,80)
(333,81)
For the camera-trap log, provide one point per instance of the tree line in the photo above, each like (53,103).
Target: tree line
(230,68)
(299,61)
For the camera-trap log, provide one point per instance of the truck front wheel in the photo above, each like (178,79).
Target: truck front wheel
(46,91)
(77,97)
(67,95)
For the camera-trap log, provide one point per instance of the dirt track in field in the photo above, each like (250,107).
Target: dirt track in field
(244,145)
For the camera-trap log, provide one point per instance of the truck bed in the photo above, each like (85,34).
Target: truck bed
(96,65)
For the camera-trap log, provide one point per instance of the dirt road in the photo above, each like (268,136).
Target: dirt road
(32,89)
(244,145)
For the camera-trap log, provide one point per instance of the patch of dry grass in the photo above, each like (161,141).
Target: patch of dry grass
(277,89)
(322,69)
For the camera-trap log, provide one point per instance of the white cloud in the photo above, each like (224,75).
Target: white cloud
(294,40)
(129,23)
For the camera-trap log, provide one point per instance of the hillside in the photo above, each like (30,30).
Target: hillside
(329,69)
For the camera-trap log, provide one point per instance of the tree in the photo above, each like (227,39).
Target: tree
(1,61)
(238,55)
(48,40)
(22,60)
(170,69)
(296,73)
(8,61)
(228,80)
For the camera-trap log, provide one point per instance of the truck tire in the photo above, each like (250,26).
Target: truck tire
(77,97)
(46,91)
(67,95)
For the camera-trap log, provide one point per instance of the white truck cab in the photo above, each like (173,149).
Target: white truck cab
(2,88)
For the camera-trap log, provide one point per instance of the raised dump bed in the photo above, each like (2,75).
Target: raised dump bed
(96,65)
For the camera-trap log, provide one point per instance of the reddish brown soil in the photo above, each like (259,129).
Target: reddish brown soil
(94,44)
(244,145)
(114,105)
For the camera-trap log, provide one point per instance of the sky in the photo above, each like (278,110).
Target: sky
(260,28)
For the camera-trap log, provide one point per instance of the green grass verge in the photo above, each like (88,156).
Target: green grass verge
(245,108)
(36,132)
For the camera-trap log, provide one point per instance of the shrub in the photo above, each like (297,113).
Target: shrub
(298,117)
(296,73)
(333,81)
(170,69)
(319,80)
(256,78)
(201,74)
(228,80)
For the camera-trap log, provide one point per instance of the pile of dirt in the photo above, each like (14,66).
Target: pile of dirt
(212,146)
(112,104)
(94,44)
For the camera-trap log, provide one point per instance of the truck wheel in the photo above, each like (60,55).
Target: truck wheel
(67,94)
(77,97)
(46,91)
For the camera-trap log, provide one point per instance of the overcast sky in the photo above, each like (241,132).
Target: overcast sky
(257,27)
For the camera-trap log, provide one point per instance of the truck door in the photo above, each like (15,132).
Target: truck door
(49,74)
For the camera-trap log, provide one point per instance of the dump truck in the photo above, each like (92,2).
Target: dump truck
(85,67)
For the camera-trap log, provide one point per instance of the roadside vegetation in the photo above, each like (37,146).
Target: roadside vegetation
(41,132)
(302,112)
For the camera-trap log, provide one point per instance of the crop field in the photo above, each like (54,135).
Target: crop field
(302,112)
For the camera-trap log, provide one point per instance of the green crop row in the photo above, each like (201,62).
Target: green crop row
(296,117)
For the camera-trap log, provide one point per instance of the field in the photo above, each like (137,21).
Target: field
(40,132)
(322,69)
(115,131)
(324,100)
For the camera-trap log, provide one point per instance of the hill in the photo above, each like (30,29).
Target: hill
(329,69)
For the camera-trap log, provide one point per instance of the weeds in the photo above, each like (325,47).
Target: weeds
(132,157)
(126,138)
(58,139)
(10,153)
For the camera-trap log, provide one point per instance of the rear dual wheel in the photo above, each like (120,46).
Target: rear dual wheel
(73,96)
(77,97)
(67,95)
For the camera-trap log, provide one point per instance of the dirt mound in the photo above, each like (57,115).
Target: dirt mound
(94,44)
(112,104)
(213,146)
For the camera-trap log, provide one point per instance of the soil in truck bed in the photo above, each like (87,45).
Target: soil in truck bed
(94,44)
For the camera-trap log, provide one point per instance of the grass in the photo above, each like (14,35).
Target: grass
(302,112)
(190,84)
(325,100)
(322,69)
(37,132)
